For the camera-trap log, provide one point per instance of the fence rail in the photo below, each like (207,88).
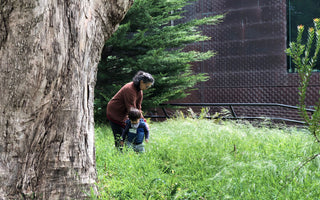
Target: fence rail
(232,110)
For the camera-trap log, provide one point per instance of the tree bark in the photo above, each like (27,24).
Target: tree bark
(49,52)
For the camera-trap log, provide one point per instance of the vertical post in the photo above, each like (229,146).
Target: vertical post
(165,112)
(232,112)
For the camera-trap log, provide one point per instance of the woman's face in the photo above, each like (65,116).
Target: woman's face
(144,86)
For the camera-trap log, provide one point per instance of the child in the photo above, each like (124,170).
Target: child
(135,131)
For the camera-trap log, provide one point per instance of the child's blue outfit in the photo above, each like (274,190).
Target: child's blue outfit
(135,134)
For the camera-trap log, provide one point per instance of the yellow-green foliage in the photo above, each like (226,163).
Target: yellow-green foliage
(198,159)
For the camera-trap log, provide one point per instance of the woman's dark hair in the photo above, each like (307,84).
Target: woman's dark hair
(142,76)
(134,114)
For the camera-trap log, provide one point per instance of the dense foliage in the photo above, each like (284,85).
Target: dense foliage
(152,38)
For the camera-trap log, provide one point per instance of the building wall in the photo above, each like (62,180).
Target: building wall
(250,65)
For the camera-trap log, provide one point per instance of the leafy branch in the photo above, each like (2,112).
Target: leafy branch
(305,63)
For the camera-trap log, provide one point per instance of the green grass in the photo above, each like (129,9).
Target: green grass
(195,159)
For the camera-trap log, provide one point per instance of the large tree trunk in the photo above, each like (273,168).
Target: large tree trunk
(49,51)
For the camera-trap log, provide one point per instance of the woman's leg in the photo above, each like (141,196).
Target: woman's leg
(117,132)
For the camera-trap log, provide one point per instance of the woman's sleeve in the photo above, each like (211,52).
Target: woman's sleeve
(139,102)
(129,100)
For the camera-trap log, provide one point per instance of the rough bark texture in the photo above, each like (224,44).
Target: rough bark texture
(49,51)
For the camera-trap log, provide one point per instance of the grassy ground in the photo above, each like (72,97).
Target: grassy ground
(199,159)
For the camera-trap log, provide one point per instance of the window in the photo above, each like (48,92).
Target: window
(301,12)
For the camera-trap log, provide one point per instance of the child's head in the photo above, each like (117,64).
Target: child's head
(134,115)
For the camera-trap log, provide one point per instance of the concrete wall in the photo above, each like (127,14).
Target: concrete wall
(250,65)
